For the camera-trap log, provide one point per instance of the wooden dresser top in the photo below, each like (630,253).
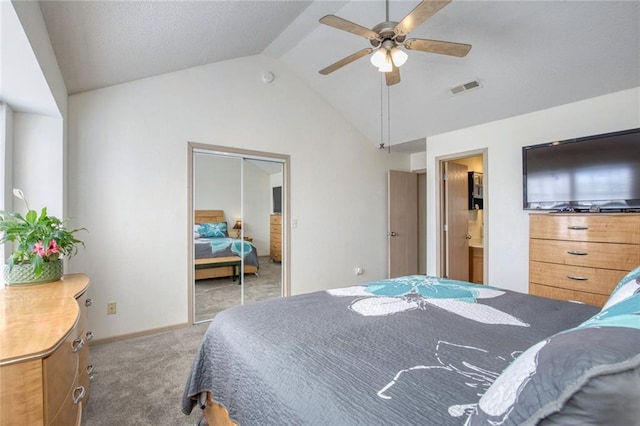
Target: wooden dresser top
(35,319)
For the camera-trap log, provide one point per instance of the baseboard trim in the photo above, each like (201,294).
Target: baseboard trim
(138,334)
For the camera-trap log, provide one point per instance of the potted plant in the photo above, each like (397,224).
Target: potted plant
(40,240)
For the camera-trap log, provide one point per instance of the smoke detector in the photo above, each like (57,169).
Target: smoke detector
(465,87)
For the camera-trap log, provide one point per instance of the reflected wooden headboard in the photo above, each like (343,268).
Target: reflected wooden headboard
(207,216)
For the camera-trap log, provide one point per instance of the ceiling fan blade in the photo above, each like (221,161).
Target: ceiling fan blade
(345,61)
(418,15)
(392,77)
(344,25)
(437,46)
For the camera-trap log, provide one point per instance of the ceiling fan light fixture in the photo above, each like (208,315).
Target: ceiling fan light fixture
(387,65)
(378,58)
(399,57)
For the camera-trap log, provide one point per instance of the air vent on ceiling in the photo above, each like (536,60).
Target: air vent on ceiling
(465,87)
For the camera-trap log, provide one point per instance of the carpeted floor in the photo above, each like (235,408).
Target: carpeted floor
(140,381)
(217,294)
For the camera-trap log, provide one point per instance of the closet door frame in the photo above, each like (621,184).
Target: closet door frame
(243,154)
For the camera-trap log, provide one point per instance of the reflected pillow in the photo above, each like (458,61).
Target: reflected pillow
(627,287)
(213,230)
(589,374)
(196,234)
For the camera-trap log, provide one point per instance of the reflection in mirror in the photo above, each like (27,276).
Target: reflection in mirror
(233,209)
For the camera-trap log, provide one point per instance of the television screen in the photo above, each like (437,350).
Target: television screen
(596,172)
(277,199)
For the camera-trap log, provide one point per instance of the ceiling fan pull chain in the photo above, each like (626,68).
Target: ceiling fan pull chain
(388,120)
(381,114)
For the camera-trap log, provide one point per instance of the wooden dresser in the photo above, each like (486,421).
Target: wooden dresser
(575,256)
(44,359)
(275,246)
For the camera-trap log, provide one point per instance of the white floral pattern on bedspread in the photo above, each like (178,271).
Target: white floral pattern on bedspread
(395,295)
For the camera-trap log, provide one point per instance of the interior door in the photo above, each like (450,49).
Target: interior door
(402,233)
(456,232)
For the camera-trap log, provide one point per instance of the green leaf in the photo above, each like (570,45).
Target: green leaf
(31,216)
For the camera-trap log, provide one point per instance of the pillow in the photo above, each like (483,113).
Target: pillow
(196,234)
(557,380)
(213,230)
(627,287)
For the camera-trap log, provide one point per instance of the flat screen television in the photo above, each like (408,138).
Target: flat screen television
(595,173)
(277,199)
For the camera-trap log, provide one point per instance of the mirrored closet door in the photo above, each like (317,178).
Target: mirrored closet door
(237,210)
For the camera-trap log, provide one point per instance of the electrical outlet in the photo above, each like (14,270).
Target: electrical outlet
(111,308)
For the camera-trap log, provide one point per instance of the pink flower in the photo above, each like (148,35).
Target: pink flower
(39,249)
(53,247)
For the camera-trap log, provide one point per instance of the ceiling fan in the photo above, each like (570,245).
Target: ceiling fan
(387,38)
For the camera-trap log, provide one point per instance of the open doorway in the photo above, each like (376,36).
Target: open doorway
(463,204)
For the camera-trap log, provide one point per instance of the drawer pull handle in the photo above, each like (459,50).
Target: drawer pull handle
(77,344)
(78,394)
(578,227)
(578,253)
(89,335)
(88,302)
(577,278)
(89,368)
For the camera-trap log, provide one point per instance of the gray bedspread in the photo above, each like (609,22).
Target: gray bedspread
(409,351)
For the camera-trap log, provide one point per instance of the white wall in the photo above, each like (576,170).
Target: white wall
(37,162)
(217,185)
(6,167)
(128,183)
(506,223)
(256,209)
(33,88)
(418,161)
(32,23)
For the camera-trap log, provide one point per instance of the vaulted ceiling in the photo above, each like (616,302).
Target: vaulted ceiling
(527,55)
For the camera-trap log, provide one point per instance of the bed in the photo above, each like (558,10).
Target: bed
(421,350)
(216,255)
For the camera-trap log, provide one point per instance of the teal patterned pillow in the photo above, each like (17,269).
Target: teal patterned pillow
(213,230)
(627,287)
(589,374)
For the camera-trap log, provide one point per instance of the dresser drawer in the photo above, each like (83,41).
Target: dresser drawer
(60,373)
(82,305)
(83,354)
(71,408)
(275,229)
(276,219)
(607,228)
(275,247)
(592,280)
(276,256)
(623,257)
(564,294)
(276,238)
